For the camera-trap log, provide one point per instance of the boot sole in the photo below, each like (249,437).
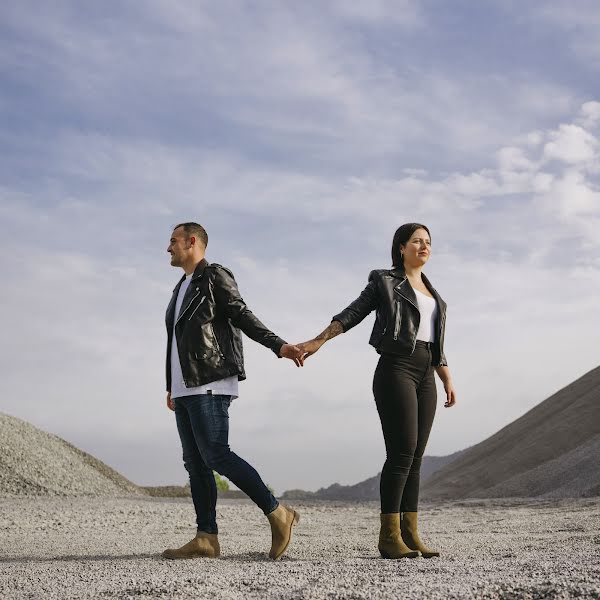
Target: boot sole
(189,557)
(405,555)
(294,521)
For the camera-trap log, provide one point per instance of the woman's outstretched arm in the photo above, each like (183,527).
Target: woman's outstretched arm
(310,347)
(351,316)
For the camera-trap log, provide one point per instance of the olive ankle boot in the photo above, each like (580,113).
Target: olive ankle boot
(203,545)
(282,520)
(411,537)
(391,544)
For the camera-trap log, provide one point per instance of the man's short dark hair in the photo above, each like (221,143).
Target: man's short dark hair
(194,229)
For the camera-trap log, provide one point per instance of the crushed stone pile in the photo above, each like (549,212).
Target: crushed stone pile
(553,450)
(36,463)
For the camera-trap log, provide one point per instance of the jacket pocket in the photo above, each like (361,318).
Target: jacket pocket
(207,354)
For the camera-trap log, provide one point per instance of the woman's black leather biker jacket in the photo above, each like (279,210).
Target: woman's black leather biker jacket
(397,318)
(208,327)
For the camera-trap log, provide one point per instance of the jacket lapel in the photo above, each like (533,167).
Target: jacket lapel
(404,288)
(191,293)
(171,307)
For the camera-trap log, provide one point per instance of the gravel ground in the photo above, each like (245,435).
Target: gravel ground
(110,548)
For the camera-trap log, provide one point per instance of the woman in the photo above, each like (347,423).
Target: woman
(409,335)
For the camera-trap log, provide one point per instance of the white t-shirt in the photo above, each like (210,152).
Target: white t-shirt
(227,386)
(428,310)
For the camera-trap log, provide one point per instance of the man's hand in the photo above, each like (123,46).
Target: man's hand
(293,353)
(170,403)
(310,347)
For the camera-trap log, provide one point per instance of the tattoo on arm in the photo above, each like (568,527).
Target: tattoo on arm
(334,328)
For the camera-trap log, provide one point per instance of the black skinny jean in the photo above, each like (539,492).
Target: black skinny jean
(406,398)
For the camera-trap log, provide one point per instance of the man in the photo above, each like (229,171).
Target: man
(204,363)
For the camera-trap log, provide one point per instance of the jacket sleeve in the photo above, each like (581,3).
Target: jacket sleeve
(229,300)
(360,308)
(443,362)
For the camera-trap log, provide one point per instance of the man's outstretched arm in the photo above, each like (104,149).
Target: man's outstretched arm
(229,299)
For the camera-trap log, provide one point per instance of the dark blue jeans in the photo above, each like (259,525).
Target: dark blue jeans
(203,425)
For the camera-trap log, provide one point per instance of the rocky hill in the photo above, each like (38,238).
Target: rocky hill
(553,450)
(36,463)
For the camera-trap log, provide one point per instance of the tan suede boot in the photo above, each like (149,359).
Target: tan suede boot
(203,545)
(390,540)
(411,536)
(282,519)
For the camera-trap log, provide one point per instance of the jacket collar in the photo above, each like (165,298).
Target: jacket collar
(198,272)
(406,290)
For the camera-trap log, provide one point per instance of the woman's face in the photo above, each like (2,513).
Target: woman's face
(418,249)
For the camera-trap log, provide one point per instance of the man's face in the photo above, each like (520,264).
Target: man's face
(180,247)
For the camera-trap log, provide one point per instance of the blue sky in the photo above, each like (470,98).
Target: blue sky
(301,136)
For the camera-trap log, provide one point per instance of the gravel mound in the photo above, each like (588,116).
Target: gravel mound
(36,463)
(552,450)
(576,474)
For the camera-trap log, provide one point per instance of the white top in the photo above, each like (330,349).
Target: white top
(428,310)
(227,386)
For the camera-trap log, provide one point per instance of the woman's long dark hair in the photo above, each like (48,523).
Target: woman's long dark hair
(402,235)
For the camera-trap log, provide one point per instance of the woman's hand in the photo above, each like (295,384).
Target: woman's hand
(310,347)
(444,375)
(450,394)
(293,353)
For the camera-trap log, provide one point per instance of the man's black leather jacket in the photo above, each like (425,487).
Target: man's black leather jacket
(397,318)
(208,327)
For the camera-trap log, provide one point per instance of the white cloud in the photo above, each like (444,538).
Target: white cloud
(572,144)
(514,159)
(572,196)
(590,114)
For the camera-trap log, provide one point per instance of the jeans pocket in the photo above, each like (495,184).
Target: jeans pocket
(221,404)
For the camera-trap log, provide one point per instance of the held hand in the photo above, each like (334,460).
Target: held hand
(293,353)
(310,347)
(450,394)
(170,403)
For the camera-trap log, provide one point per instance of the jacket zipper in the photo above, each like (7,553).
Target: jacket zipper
(197,307)
(396,332)
(183,312)
(397,324)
